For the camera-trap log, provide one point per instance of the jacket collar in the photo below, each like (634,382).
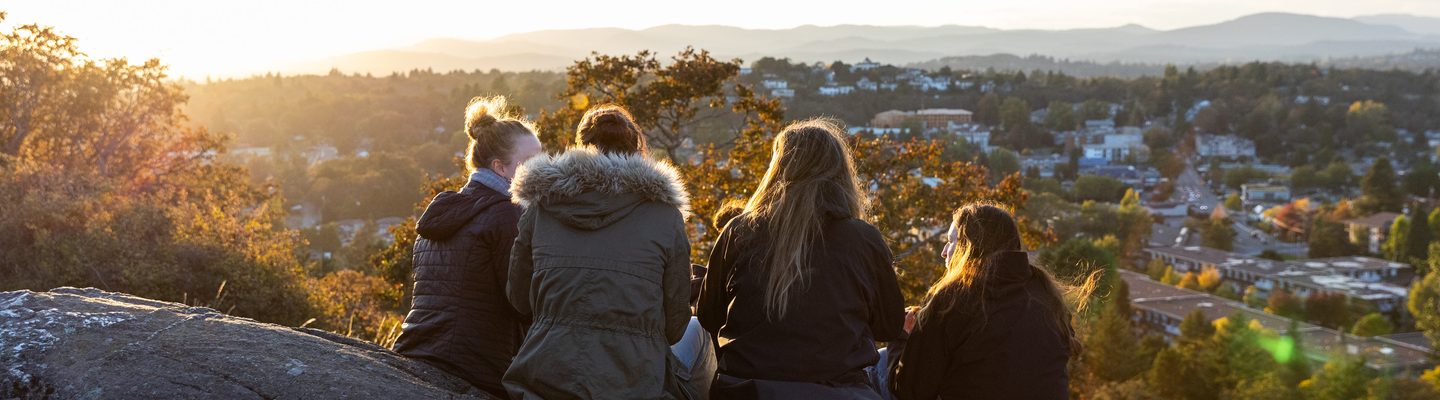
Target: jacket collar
(584,170)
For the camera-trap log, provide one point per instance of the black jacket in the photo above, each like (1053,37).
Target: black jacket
(829,331)
(460,319)
(1015,352)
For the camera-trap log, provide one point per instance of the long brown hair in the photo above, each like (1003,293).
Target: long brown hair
(811,165)
(492,131)
(611,129)
(984,232)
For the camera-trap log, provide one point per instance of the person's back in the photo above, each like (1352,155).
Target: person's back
(830,330)
(602,263)
(994,327)
(460,320)
(799,286)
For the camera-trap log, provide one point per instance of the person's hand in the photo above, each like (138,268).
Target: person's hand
(910,318)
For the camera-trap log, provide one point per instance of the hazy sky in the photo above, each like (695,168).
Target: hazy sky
(199,37)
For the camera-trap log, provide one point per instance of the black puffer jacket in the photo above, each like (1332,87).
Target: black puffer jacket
(460,319)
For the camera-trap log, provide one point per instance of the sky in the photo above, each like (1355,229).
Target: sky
(223,38)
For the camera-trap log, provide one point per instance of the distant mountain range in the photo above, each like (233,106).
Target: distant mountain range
(1266,37)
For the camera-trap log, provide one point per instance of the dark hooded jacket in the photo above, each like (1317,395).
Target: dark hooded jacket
(850,299)
(602,263)
(460,320)
(1010,349)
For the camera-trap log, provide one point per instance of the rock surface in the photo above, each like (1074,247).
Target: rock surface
(92,344)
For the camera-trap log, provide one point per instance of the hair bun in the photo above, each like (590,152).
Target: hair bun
(483,112)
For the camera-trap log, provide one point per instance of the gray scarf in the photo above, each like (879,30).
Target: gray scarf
(492,180)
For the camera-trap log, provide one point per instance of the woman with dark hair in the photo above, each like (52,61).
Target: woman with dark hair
(602,263)
(994,326)
(800,286)
(460,320)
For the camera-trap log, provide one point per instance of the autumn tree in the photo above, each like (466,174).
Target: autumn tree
(104,183)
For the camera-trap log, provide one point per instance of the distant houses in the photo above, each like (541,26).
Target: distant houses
(927,118)
(1380,283)
(1371,230)
(1161,308)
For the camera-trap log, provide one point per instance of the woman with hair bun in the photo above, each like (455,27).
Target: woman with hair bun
(460,320)
(602,265)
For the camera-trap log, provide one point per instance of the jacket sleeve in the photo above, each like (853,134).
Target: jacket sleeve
(677,286)
(500,245)
(887,312)
(923,362)
(714,302)
(522,266)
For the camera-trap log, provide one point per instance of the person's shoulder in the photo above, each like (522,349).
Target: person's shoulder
(860,228)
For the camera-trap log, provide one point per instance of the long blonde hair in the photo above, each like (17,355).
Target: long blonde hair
(984,232)
(811,165)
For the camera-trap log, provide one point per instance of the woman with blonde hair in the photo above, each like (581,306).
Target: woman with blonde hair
(602,263)
(800,286)
(994,326)
(460,320)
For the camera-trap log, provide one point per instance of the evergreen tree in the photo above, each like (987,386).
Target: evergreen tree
(1419,236)
(1380,191)
(1112,351)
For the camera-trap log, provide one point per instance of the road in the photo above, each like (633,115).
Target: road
(1191,190)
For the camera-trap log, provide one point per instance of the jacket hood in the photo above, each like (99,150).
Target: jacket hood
(590,190)
(450,211)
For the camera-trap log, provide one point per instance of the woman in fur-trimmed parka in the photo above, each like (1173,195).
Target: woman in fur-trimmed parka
(602,265)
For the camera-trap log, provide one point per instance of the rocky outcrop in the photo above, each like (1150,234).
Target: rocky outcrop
(91,344)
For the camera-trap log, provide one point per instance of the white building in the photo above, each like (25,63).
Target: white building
(782,93)
(775,84)
(1258,193)
(836,90)
(1117,147)
(1224,146)
(974,134)
(865,65)
(866,84)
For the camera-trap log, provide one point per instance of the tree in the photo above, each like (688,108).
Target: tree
(1196,327)
(1209,279)
(1112,351)
(1166,376)
(1343,377)
(1329,310)
(1292,355)
(1396,246)
(1002,162)
(1189,281)
(1060,116)
(1077,258)
(1099,188)
(1378,187)
(1218,233)
(1328,239)
(1237,338)
(1424,304)
(1233,203)
(1284,304)
(106,184)
(1252,297)
(1418,237)
(1423,180)
(988,111)
(1372,324)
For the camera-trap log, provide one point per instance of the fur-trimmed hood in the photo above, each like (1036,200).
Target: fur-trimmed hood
(593,189)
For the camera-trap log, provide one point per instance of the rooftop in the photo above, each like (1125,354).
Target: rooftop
(1380,220)
(1398,351)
